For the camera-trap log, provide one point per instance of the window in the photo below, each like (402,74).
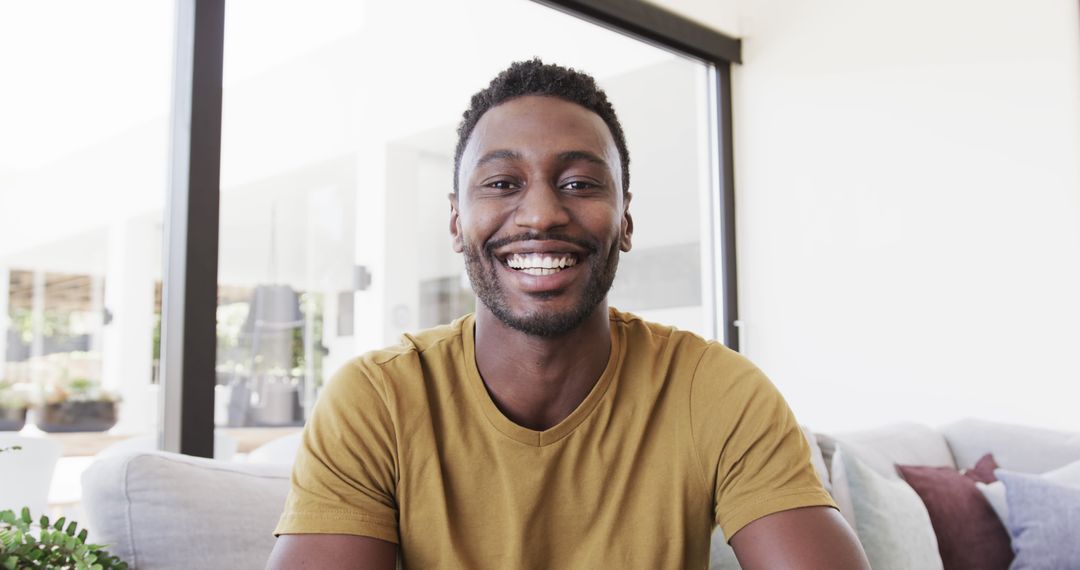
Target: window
(83,163)
(336,132)
(337,157)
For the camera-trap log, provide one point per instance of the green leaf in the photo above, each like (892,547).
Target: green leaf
(57,545)
(8,538)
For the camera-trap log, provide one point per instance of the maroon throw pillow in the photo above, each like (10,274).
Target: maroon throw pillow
(983,472)
(969,533)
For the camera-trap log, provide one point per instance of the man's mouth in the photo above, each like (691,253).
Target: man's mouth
(541,263)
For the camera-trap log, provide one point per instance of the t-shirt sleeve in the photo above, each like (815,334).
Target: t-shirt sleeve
(755,458)
(344,478)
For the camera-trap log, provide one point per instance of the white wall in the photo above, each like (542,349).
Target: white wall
(908,204)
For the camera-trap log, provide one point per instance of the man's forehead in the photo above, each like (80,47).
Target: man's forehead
(533,122)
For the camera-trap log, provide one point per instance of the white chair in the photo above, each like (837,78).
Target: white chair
(224,446)
(280,451)
(25,474)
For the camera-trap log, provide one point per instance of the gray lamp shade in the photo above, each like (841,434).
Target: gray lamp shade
(273,308)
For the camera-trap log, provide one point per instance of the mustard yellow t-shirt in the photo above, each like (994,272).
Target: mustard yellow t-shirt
(677,435)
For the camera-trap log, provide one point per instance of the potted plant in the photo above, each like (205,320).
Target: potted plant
(13,405)
(79,404)
(26,545)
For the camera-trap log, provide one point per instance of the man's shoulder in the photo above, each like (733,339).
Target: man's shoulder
(704,357)
(439,342)
(638,330)
(435,349)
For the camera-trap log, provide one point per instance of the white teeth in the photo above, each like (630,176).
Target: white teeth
(533,262)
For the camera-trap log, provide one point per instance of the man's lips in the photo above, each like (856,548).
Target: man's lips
(541,265)
(504,247)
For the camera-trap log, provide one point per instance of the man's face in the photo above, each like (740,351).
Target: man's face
(540,215)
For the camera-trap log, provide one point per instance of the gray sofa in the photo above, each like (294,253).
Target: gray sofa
(160,510)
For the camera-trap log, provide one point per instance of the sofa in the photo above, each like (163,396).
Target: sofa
(160,510)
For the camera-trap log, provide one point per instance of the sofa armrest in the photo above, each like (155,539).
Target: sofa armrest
(164,510)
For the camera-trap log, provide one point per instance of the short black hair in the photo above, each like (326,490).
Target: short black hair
(534,77)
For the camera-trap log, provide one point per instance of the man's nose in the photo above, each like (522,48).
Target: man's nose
(541,208)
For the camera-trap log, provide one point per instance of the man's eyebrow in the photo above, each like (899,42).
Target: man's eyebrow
(575,155)
(498,155)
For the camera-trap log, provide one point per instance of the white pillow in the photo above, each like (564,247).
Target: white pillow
(1068,476)
(889,517)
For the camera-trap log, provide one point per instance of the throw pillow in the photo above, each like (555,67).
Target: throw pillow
(889,518)
(969,533)
(1044,519)
(983,472)
(1068,475)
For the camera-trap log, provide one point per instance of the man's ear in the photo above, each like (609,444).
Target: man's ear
(455,224)
(627,224)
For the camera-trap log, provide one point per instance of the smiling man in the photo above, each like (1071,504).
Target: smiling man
(548,430)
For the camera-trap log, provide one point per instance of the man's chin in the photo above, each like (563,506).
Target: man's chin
(543,323)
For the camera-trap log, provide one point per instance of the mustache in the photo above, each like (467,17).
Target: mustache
(494,244)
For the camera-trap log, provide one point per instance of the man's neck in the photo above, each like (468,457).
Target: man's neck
(537,381)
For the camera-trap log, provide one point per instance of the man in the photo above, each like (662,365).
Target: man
(547,430)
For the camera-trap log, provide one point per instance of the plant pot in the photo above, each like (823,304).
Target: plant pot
(76,416)
(12,419)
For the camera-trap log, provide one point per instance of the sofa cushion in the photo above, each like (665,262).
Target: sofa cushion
(889,518)
(1044,520)
(882,448)
(994,492)
(969,533)
(1016,448)
(164,510)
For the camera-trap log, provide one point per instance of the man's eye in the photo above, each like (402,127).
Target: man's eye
(579,185)
(501,185)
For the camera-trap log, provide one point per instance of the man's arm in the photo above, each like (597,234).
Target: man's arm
(809,538)
(332,552)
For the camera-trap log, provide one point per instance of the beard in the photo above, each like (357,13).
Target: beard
(539,321)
